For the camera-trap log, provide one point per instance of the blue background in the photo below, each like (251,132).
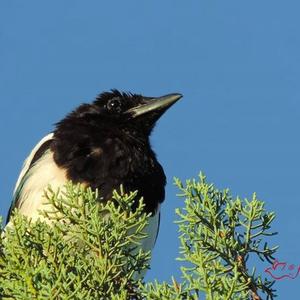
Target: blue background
(236,62)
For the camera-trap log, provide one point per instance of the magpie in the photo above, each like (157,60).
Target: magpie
(102,145)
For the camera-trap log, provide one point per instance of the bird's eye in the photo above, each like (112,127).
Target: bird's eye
(114,105)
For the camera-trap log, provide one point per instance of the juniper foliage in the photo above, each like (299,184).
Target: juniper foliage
(89,250)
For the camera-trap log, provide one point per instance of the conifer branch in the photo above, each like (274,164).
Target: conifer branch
(90,250)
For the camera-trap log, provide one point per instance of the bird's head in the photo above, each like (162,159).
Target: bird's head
(127,111)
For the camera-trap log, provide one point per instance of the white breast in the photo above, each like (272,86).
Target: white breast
(148,243)
(151,230)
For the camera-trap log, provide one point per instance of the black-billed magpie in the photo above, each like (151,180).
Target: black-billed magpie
(102,145)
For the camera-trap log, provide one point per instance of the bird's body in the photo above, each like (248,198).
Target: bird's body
(101,145)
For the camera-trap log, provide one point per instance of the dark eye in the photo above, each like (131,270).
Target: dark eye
(114,105)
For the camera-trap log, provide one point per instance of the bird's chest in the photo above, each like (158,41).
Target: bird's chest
(115,162)
(137,169)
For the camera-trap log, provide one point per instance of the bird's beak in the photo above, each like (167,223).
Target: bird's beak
(159,104)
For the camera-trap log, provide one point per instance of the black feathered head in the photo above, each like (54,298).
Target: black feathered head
(126,110)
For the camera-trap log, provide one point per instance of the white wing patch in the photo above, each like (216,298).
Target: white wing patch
(29,159)
(33,180)
(43,173)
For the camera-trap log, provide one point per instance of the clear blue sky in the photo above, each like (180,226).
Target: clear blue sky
(236,62)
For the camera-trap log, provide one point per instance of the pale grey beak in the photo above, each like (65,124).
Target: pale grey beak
(154,104)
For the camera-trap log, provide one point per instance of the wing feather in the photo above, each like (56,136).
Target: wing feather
(28,163)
